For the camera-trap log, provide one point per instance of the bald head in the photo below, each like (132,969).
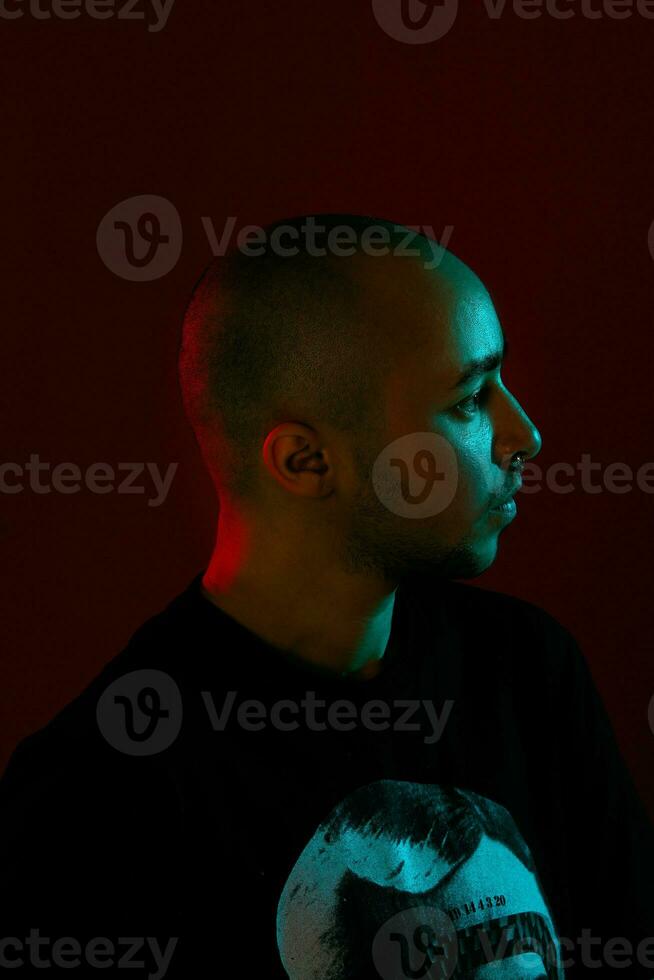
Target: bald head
(308,330)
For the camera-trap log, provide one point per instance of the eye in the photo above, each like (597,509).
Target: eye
(471,405)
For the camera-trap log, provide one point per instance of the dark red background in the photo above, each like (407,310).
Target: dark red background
(532,138)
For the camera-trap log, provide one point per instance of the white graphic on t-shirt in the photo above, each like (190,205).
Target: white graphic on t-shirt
(409,881)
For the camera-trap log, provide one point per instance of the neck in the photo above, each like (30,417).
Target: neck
(298,598)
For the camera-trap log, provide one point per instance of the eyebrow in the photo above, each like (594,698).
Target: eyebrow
(475,369)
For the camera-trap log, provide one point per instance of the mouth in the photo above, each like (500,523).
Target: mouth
(506,509)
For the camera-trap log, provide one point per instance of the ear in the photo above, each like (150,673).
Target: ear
(297,457)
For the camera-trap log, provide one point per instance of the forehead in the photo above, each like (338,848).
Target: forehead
(468,330)
(442,317)
(433,324)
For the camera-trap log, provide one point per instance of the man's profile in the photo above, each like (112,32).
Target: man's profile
(296,372)
(366,453)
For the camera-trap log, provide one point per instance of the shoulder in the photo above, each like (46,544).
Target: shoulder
(500,628)
(473,601)
(72,742)
(71,790)
(517,649)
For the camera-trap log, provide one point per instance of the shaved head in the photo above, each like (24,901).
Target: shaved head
(307,372)
(312,336)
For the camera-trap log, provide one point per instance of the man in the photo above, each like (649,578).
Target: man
(327,759)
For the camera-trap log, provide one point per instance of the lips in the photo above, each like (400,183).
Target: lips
(507,498)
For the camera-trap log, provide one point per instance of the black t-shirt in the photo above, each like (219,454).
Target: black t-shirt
(210,806)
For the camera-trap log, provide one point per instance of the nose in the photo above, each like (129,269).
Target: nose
(515,432)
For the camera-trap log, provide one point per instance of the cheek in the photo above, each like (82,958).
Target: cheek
(473,448)
(473,488)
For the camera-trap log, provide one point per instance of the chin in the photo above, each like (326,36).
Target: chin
(461,562)
(472,562)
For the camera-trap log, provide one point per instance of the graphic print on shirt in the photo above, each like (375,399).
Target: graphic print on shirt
(410,881)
